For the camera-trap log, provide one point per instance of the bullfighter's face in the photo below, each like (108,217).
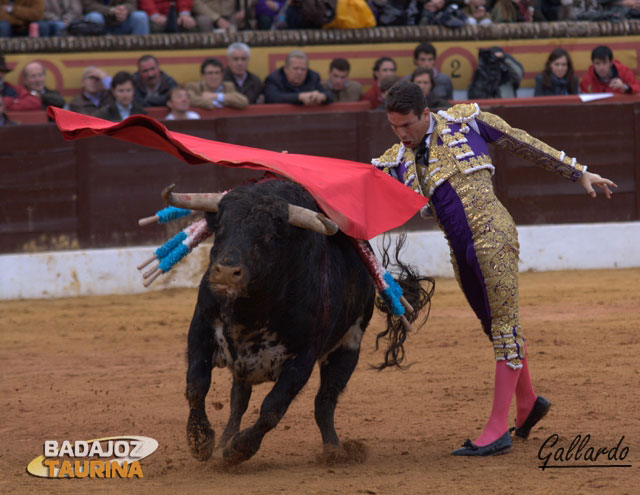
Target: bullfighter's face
(410,128)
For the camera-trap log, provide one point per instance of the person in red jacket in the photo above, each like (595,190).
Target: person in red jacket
(164,20)
(16,98)
(383,67)
(606,75)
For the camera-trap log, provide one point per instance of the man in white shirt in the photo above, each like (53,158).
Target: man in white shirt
(178,103)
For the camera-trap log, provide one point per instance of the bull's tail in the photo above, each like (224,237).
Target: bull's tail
(416,289)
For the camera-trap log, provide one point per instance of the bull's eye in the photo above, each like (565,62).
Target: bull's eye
(267,238)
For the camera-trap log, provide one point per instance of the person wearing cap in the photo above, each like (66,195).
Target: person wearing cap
(16,15)
(16,98)
(94,95)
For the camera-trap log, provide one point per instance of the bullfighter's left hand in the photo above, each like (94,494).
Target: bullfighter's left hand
(588,180)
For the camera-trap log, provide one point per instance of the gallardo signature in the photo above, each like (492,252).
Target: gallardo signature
(580,454)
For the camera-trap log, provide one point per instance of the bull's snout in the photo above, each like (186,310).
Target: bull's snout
(227,277)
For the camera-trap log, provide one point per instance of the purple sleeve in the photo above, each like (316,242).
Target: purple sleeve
(495,130)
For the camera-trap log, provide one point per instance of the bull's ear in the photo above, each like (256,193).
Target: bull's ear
(311,220)
(192,201)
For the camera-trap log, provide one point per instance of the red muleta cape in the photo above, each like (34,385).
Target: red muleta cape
(362,200)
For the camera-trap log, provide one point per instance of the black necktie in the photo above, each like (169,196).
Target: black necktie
(422,154)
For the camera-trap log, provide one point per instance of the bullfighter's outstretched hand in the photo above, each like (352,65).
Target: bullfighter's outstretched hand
(588,180)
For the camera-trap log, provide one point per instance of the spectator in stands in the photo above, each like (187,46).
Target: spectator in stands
(16,98)
(124,103)
(556,10)
(212,91)
(425,79)
(16,15)
(218,14)
(58,14)
(439,12)
(476,12)
(558,77)
(398,12)
(515,11)
(94,94)
(34,80)
(151,84)
(386,83)
(604,10)
(308,14)
(384,66)
(605,74)
(4,118)
(167,16)
(267,12)
(178,103)
(430,9)
(244,81)
(339,84)
(498,75)
(424,55)
(117,16)
(295,83)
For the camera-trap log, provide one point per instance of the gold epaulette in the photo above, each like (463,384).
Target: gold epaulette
(390,158)
(464,112)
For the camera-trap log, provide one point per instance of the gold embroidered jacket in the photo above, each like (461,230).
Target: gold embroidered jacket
(458,144)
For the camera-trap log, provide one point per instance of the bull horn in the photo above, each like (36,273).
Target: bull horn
(311,220)
(192,201)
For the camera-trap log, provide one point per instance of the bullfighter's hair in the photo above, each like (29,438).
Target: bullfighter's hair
(417,289)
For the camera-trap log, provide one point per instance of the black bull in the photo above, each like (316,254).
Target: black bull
(275,300)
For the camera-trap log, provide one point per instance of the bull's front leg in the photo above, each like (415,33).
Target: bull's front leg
(294,375)
(240,395)
(200,436)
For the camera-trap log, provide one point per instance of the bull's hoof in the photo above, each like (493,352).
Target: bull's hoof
(200,436)
(239,449)
(348,452)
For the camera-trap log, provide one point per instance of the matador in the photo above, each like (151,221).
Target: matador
(445,157)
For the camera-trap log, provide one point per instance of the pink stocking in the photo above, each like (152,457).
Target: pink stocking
(504,387)
(525,395)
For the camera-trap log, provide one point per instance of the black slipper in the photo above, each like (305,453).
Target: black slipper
(540,409)
(500,446)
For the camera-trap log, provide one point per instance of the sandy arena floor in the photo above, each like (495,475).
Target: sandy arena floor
(93,367)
